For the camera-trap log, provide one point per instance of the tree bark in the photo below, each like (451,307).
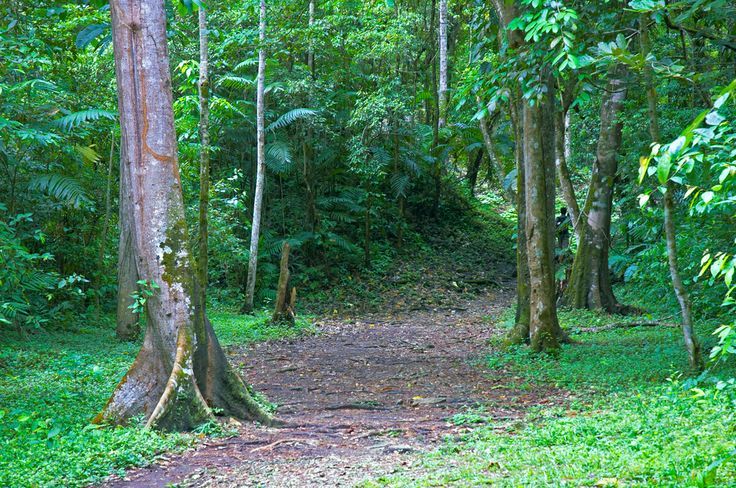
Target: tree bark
(181,372)
(127,327)
(590,279)
(261,163)
(204,156)
(545,333)
(692,345)
(442,89)
(536,320)
(520,332)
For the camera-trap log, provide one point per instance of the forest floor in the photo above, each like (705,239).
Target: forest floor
(359,398)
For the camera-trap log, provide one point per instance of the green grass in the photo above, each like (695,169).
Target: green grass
(52,384)
(631,419)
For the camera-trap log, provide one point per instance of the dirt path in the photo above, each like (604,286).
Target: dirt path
(360,399)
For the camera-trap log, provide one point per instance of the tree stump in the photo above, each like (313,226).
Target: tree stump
(285,294)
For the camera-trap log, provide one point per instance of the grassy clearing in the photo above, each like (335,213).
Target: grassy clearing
(633,419)
(52,384)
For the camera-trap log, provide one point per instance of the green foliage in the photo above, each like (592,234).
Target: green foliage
(608,418)
(52,386)
(702,159)
(32,296)
(146,289)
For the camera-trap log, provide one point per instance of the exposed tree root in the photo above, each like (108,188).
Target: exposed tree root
(181,405)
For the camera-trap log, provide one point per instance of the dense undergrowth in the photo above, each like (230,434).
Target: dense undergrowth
(622,411)
(52,384)
(467,249)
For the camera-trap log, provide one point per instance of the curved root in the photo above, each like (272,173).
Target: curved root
(181,405)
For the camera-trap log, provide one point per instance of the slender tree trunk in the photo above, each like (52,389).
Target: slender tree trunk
(520,334)
(105,228)
(127,327)
(563,150)
(204,156)
(692,344)
(442,89)
(536,305)
(563,173)
(486,130)
(261,164)
(473,168)
(181,372)
(590,280)
(310,54)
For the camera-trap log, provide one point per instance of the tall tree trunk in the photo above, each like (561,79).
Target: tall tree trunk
(545,333)
(442,89)
(520,332)
(204,156)
(261,163)
(127,328)
(692,344)
(181,372)
(536,320)
(590,280)
(439,83)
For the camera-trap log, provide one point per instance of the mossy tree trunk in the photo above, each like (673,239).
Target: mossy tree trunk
(181,372)
(545,333)
(204,155)
(589,286)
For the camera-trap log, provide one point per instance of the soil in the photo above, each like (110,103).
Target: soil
(360,399)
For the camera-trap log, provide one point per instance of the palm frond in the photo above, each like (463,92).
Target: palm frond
(399,184)
(88,153)
(63,188)
(69,122)
(290,117)
(236,82)
(278,157)
(246,63)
